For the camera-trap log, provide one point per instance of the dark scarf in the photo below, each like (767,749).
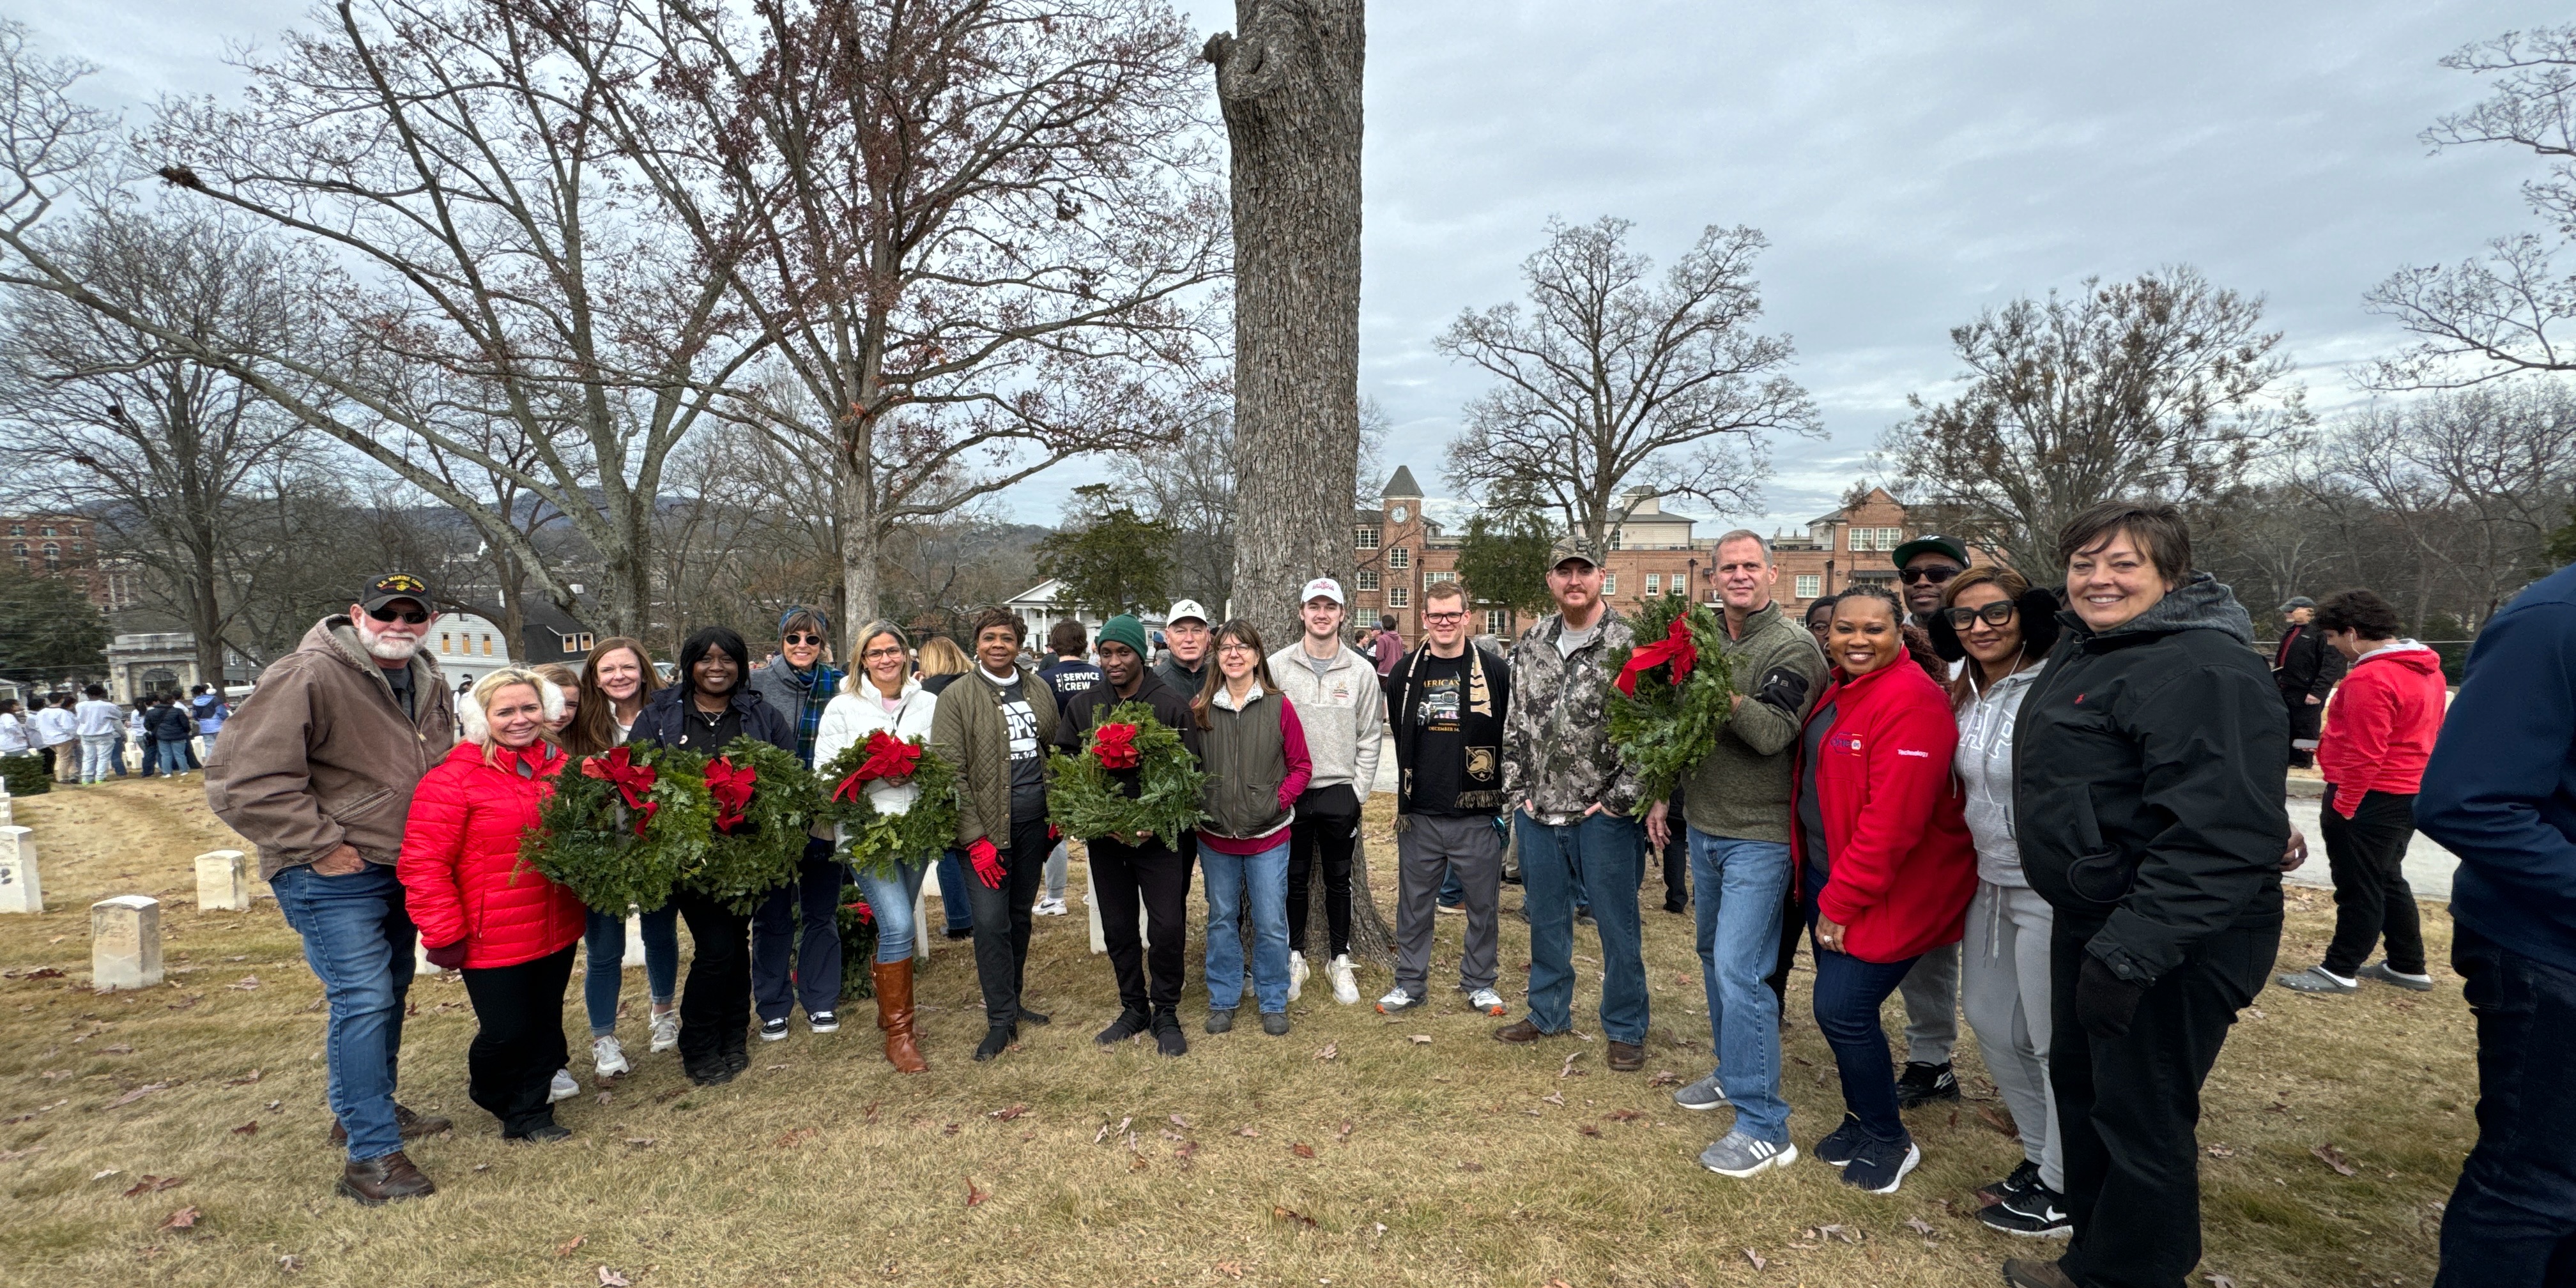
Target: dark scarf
(1480,730)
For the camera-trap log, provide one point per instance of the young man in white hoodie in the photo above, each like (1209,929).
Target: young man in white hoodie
(1335,692)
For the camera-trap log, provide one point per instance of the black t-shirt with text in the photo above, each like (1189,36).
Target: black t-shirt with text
(1436,702)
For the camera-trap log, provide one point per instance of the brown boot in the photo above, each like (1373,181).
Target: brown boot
(379,1181)
(894,1015)
(413,1126)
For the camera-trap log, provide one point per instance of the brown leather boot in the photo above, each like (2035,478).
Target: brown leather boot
(379,1181)
(413,1126)
(894,1015)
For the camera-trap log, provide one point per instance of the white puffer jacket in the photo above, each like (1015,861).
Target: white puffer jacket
(851,717)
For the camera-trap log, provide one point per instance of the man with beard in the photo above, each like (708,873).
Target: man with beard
(316,768)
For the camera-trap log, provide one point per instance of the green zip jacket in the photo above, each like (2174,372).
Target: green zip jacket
(1741,791)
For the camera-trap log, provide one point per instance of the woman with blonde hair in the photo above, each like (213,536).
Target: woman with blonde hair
(507,930)
(941,661)
(615,682)
(881,695)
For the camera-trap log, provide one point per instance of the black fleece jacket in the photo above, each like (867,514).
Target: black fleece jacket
(2148,777)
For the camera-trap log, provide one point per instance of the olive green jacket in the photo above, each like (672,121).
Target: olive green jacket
(1741,789)
(968,732)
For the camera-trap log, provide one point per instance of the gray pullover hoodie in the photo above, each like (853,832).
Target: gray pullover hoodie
(1985,764)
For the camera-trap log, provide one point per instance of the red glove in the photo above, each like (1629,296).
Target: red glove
(988,863)
(448,956)
(1055,833)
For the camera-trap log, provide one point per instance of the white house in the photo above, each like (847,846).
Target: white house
(468,646)
(1039,612)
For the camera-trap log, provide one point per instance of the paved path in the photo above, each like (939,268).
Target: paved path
(2428,866)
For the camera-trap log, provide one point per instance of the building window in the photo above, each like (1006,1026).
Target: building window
(1810,585)
(585,642)
(1399,558)
(1655,584)
(1365,538)
(1498,621)
(44,532)
(487,646)
(17,529)
(442,641)
(1876,538)
(1398,597)
(1610,584)
(1435,578)
(1825,538)
(1365,578)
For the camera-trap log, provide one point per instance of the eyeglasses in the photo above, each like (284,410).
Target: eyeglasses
(413,618)
(1237,647)
(1936,574)
(1443,619)
(1994,614)
(801,637)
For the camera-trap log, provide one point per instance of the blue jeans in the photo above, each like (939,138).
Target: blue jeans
(953,904)
(1740,885)
(891,899)
(604,974)
(1849,993)
(174,754)
(359,942)
(1594,860)
(1232,879)
(2512,1217)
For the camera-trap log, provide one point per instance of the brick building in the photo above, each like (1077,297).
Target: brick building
(1398,553)
(66,545)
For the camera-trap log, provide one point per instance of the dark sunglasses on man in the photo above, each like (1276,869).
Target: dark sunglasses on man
(1934,573)
(411,617)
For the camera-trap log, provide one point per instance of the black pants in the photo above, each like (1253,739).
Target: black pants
(2367,855)
(1793,926)
(518,1039)
(1002,920)
(715,1002)
(1676,856)
(2305,719)
(2128,1106)
(2511,1222)
(812,900)
(1328,821)
(1119,874)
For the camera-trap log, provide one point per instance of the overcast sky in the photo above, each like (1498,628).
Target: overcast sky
(1911,163)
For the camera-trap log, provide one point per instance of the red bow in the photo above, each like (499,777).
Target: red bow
(1675,647)
(1115,746)
(730,785)
(866,914)
(634,782)
(888,757)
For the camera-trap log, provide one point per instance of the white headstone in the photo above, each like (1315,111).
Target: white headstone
(420,962)
(223,881)
(1091,901)
(125,942)
(20,891)
(922,939)
(634,941)
(8,809)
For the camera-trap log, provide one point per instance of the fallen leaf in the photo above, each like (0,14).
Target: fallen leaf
(2217,1280)
(1623,1115)
(1919,1226)
(975,1196)
(1418,1039)
(250,1128)
(10,1155)
(1346,1129)
(1230,1269)
(571,1245)
(1668,1078)
(1252,1132)
(2221,1151)
(795,1138)
(482,1167)
(1587,1129)
(640,1142)
(1842,1232)
(1106,1129)
(1297,1218)
(1755,1258)
(138,1093)
(272,1105)
(153,1184)
(248,982)
(950,1129)
(244,1080)
(1556,1098)
(102,1175)
(183,1219)
(1558,1283)
(40,972)
(611,1279)
(1330,1050)
(1302,1150)
(290,1263)
(604,1096)
(1135,1162)
(2333,1158)
(1987,1115)
(1567,1070)
(1007,1115)
(1188,1150)
(1180,1122)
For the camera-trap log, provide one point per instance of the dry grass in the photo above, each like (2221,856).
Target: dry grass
(1445,1162)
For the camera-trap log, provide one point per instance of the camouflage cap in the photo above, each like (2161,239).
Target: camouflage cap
(1574,545)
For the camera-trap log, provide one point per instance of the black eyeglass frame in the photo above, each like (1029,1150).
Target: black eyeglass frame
(1961,619)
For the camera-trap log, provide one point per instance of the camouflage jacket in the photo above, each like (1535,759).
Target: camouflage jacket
(1556,746)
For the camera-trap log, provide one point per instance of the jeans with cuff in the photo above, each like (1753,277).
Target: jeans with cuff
(1740,884)
(891,898)
(361,944)
(1595,860)
(1237,883)
(1849,993)
(604,968)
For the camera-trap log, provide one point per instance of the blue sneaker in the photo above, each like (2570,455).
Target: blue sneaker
(1881,1165)
(1844,1142)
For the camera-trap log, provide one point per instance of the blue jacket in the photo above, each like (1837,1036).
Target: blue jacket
(2500,790)
(661,719)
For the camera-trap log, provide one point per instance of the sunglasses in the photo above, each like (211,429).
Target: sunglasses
(801,637)
(1994,614)
(413,618)
(1936,574)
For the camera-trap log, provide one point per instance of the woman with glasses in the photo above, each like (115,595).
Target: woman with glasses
(800,919)
(882,695)
(614,685)
(2002,629)
(1254,752)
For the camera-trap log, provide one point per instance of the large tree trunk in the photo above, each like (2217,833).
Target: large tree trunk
(854,499)
(1289,84)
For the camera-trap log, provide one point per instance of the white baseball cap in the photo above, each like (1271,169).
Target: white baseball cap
(1186,608)
(1322,588)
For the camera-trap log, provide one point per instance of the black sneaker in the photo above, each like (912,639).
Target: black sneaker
(1880,1165)
(2036,1213)
(1167,1034)
(774,1030)
(967,933)
(1220,1019)
(1028,1016)
(2013,1186)
(1274,1023)
(1921,1084)
(1127,1025)
(1840,1145)
(995,1041)
(547,1134)
(823,1021)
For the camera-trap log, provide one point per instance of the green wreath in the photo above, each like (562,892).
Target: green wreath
(610,854)
(877,841)
(761,801)
(1088,799)
(1663,729)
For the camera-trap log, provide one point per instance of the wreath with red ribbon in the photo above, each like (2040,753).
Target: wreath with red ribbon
(621,827)
(875,840)
(1672,695)
(1133,777)
(761,801)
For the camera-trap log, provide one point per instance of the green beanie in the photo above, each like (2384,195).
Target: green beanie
(1125,629)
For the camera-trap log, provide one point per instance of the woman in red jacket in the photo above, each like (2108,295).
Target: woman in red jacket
(1884,861)
(507,929)
(2386,716)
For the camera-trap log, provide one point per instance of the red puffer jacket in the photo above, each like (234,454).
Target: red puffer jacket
(460,864)
(1900,863)
(2380,731)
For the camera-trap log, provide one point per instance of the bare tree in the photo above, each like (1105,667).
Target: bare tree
(1614,386)
(1191,487)
(2166,386)
(2508,310)
(980,236)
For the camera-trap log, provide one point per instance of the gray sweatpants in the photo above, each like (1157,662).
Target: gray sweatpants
(1426,847)
(1931,992)
(2006,996)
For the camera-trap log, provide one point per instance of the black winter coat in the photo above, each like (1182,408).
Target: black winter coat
(1087,708)
(2309,667)
(666,718)
(2149,773)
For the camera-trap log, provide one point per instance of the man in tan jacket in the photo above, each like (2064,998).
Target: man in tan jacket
(316,768)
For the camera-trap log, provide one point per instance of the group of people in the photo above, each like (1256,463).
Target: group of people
(82,737)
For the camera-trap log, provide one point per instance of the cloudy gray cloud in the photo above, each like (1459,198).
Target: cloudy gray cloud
(1911,164)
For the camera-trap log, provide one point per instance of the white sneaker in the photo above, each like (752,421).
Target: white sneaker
(1049,908)
(1346,984)
(666,1031)
(1488,1001)
(1296,974)
(607,1058)
(1397,1000)
(564,1087)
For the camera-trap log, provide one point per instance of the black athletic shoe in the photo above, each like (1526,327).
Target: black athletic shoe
(995,1039)
(1127,1025)
(967,933)
(1921,1084)
(1880,1165)
(1842,1143)
(1220,1019)
(2013,1186)
(2036,1213)
(1028,1016)
(1274,1023)
(1167,1034)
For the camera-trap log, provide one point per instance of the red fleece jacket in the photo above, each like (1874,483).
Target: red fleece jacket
(1900,863)
(2386,716)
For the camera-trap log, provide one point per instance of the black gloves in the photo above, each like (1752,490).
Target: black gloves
(448,956)
(2104,1002)
(1785,690)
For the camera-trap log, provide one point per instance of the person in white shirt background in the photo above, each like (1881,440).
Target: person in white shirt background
(15,738)
(101,726)
(59,745)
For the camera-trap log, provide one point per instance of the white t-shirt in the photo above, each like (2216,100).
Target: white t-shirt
(97,718)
